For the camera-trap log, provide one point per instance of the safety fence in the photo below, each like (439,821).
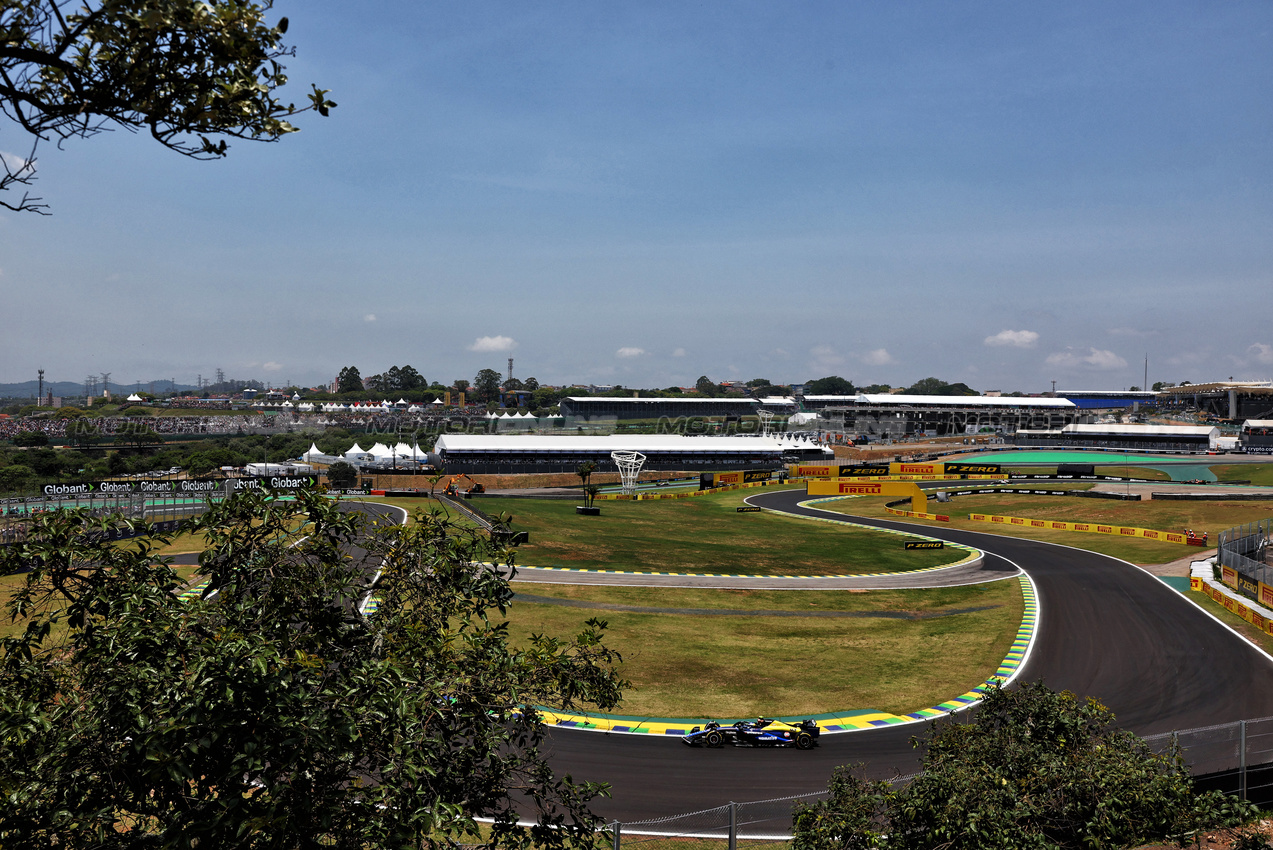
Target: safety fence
(1244,549)
(1234,758)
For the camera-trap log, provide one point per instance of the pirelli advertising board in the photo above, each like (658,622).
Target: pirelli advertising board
(905,470)
(183,487)
(1090,527)
(896,489)
(818,470)
(725,479)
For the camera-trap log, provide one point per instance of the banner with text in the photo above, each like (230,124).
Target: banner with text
(1089,527)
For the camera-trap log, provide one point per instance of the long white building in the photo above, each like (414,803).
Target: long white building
(539,453)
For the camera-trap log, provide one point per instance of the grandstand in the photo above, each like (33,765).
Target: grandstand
(1173,438)
(1232,400)
(1256,436)
(506,454)
(896,415)
(1108,399)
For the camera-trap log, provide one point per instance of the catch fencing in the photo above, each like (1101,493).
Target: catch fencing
(1235,758)
(1244,549)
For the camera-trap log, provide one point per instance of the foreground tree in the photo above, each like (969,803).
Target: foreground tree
(184,71)
(1035,769)
(271,713)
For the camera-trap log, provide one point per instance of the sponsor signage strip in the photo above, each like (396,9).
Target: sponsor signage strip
(1235,606)
(917,515)
(1089,527)
(184,486)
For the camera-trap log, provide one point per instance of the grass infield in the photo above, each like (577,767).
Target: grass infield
(704,534)
(916,648)
(1259,474)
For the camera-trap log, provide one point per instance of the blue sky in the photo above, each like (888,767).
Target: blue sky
(994,193)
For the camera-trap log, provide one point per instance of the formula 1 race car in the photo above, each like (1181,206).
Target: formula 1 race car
(763,732)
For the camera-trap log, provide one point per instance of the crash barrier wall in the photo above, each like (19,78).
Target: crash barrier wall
(1085,494)
(1091,528)
(891,507)
(897,471)
(868,487)
(1235,758)
(689,494)
(1215,497)
(474,513)
(727,827)
(1243,549)
(1257,590)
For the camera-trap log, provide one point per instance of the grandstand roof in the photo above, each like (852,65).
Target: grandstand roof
(732,400)
(1144,430)
(873,399)
(538,443)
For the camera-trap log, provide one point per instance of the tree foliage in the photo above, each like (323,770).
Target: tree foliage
(830,385)
(486,385)
(1036,769)
(185,71)
(349,380)
(30,438)
(395,380)
(342,475)
(271,713)
(936,386)
(706,386)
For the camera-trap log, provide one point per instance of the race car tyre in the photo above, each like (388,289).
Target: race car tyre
(714,738)
(804,741)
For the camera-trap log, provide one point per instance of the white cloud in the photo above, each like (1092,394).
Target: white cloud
(780,352)
(493,343)
(1096,359)
(1131,332)
(271,366)
(370,317)
(16,165)
(1015,339)
(877,357)
(1261,352)
(628,351)
(680,352)
(824,358)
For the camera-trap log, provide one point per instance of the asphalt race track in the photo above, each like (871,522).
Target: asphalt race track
(1106,629)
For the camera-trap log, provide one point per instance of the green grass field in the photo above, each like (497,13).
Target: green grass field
(1116,471)
(701,534)
(1259,474)
(1211,517)
(701,665)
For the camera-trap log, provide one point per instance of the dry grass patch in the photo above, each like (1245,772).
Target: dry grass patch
(697,665)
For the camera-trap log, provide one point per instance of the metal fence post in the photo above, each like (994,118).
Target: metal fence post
(733,825)
(1242,757)
(617,831)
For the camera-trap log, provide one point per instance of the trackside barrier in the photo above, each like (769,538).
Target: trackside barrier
(1234,758)
(918,515)
(727,827)
(1243,549)
(689,494)
(1090,527)
(1236,606)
